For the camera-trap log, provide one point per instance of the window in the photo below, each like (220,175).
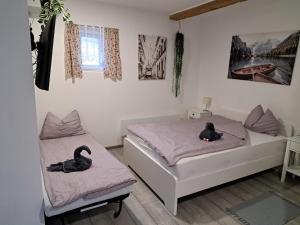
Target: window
(92,48)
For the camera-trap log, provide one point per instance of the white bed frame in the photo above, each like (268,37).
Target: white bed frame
(169,187)
(81,205)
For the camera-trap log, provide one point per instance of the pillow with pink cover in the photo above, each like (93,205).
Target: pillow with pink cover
(254,116)
(54,127)
(267,124)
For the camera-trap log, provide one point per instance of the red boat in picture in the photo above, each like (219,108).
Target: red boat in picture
(246,73)
(255,73)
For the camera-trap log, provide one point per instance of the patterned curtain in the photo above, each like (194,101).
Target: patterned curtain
(112,67)
(72,52)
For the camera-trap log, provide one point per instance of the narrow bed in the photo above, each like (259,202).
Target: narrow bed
(82,204)
(198,172)
(107,180)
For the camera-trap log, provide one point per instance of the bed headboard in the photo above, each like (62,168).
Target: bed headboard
(231,114)
(126,122)
(286,128)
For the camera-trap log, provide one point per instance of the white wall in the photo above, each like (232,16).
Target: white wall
(207,56)
(101,102)
(20,195)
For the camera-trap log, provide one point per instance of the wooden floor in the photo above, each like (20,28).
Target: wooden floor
(207,207)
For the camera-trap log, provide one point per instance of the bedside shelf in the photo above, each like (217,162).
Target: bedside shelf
(293,146)
(294,170)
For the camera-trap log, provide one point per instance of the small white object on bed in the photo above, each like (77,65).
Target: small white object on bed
(197,173)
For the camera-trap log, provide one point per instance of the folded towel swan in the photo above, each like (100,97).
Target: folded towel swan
(79,163)
(209,133)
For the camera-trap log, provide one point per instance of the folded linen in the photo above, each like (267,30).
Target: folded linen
(209,133)
(79,163)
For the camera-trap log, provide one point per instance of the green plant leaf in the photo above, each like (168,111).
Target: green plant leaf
(51,8)
(179,50)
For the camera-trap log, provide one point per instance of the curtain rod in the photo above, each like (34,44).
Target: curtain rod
(97,26)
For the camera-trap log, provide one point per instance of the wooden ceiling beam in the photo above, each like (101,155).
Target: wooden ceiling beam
(204,8)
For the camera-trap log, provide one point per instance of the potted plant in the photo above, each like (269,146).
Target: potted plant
(50,8)
(178,59)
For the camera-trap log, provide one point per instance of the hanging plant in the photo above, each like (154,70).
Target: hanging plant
(51,8)
(178,59)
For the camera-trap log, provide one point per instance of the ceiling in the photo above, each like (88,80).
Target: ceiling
(165,6)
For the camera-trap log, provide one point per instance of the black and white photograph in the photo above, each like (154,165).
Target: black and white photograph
(264,57)
(152,57)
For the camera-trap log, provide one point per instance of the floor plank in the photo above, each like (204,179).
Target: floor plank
(137,212)
(198,215)
(215,212)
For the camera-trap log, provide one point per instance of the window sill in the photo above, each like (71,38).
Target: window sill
(92,70)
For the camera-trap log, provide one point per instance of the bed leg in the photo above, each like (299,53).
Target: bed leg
(118,212)
(62,220)
(171,203)
(54,220)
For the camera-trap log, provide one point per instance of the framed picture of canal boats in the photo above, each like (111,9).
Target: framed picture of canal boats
(264,57)
(152,57)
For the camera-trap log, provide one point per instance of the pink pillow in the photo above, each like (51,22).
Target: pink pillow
(56,128)
(254,116)
(267,124)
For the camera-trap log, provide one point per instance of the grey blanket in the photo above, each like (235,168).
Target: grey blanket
(105,175)
(174,140)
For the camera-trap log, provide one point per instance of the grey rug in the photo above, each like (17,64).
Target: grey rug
(266,209)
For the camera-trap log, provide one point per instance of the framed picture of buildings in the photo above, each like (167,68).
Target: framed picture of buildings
(152,54)
(264,57)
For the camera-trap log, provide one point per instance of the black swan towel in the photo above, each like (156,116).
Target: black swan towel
(209,133)
(79,163)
